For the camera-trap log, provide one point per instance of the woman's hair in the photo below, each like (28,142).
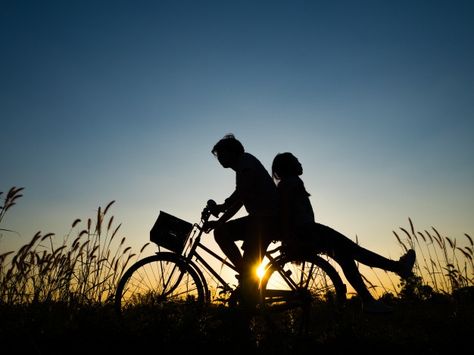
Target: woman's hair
(230,144)
(285,165)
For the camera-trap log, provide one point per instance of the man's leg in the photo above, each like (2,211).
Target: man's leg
(258,236)
(227,235)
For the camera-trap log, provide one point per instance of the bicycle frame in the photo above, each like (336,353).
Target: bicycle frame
(193,253)
(192,257)
(280,270)
(291,285)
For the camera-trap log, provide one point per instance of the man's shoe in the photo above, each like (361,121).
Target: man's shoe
(406,263)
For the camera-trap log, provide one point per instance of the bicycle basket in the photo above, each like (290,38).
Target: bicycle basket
(170,232)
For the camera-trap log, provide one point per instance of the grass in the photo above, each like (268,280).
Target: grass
(81,269)
(444,265)
(429,326)
(54,290)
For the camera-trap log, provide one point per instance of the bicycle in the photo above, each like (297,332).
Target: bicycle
(290,283)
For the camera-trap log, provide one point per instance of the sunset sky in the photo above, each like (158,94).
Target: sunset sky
(124,100)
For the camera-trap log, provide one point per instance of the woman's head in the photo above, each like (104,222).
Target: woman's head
(286,165)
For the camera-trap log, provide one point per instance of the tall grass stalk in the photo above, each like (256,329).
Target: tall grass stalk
(442,264)
(82,268)
(86,265)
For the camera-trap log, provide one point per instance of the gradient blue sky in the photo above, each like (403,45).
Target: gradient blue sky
(123,100)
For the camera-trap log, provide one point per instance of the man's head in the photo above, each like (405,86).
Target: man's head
(228,150)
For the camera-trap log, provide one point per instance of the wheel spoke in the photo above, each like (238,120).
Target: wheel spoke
(162,278)
(314,279)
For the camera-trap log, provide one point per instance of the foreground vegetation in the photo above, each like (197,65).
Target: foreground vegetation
(430,327)
(55,292)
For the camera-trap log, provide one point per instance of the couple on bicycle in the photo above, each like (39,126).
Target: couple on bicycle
(279,209)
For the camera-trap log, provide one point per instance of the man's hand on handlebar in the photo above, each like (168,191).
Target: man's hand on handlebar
(216,209)
(212,208)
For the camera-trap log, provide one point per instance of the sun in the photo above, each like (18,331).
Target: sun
(260,270)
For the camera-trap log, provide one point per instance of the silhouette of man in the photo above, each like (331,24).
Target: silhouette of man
(255,191)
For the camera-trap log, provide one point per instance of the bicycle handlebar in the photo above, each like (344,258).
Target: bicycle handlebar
(209,210)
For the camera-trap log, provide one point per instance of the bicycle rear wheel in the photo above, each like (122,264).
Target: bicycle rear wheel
(161,280)
(292,287)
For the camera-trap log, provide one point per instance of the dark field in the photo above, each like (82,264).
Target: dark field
(435,326)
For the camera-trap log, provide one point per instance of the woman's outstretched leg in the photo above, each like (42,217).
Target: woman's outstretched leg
(349,267)
(335,242)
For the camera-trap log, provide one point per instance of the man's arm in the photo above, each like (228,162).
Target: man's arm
(231,211)
(229,201)
(230,207)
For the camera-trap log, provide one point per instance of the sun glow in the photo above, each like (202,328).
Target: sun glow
(260,270)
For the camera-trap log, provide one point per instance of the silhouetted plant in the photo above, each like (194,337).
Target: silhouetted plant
(413,289)
(84,270)
(9,201)
(85,266)
(441,264)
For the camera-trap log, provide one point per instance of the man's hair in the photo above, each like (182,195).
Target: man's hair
(230,144)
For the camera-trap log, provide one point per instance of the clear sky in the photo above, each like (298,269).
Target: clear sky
(123,100)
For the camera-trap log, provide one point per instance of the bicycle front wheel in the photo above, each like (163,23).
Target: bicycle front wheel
(156,281)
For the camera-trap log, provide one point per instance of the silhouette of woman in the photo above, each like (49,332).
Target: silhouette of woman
(301,232)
